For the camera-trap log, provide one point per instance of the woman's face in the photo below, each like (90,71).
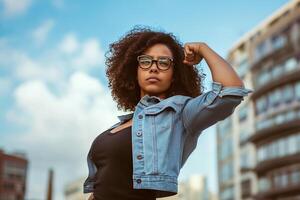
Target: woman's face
(154,87)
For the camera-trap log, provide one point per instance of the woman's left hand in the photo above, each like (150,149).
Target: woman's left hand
(192,52)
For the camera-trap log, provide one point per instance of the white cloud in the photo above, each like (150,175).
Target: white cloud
(27,68)
(61,128)
(15,7)
(81,55)
(69,44)
(58,125)
(41,32)
(55,64)
(91,54)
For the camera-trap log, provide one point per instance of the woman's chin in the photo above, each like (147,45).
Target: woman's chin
(155,93)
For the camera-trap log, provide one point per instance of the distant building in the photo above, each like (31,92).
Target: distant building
(74,190)
(259,145)
(13,173)
(195,188)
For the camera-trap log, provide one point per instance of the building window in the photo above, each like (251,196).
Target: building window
(245,133)
(246,188)
(278,41)
(227,194)
(246,159)
(277,71)
(262,154)
(280,119)
(243,112)
(295,177)
(227,172)
(298,142)
(263,77)
(282,147)
(277,96)
(288,93)
(290,64)
(225,127)
(281,180)
(261,104)
(278,148)
(297,90)
(263,184)
(292,144)
(243,67)
(226,148)
(261,50)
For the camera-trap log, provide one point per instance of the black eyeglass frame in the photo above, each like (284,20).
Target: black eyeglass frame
(152,60)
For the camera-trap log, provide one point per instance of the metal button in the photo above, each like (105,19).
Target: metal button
(140,116)
(138,180)
(139,133)
(139,157)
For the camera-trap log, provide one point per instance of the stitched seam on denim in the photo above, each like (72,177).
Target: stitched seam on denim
(155,167)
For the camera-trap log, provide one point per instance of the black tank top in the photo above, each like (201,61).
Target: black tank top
(112,154)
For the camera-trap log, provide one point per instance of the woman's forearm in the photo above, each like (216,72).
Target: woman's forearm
(220,69)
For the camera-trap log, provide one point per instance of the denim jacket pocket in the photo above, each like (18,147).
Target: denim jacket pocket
(162,117)
(154,110)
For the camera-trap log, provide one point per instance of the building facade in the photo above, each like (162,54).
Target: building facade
(259,145)
(73,190)
(194,188)
(13,173)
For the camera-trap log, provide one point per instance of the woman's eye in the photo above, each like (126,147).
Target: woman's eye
(146,61)
(164,62)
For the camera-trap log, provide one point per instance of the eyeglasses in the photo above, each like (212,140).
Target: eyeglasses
(163,63)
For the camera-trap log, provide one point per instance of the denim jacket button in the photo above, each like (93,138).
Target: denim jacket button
(139,133)
(138,180)
(139,157)
(140,116)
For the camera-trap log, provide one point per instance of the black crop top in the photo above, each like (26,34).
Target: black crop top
(112,154)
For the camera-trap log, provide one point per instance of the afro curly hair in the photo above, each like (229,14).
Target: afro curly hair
(121,67)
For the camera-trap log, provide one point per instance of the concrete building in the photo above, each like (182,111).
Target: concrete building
(74,191)
(13,173)
(259,145)
(195,188)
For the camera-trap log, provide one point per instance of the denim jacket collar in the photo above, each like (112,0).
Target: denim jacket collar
(145,101)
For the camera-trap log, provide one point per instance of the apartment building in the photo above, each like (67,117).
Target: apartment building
(259,145)
(13,173)
(74,191)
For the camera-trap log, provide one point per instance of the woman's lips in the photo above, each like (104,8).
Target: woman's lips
(153,80)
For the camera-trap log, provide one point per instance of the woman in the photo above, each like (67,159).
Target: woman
(151,74)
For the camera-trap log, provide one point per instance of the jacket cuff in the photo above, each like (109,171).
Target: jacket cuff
(221,90)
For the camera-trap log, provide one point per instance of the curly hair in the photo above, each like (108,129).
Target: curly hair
(121,67)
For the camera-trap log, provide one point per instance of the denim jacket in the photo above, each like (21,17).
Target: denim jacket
(165,133)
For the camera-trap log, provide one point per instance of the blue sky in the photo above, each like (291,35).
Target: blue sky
(53,88)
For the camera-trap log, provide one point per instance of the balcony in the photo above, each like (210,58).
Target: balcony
(274,83)
(273,54)
(290,191)
(274,131)
(268,165)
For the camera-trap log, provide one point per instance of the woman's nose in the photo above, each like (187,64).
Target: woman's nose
(155,67)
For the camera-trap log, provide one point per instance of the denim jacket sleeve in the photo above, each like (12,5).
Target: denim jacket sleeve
(208,108)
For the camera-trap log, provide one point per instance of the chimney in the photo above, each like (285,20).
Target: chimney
(50,185)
